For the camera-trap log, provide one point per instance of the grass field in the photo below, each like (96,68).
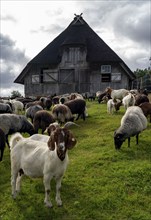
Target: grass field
(100,183)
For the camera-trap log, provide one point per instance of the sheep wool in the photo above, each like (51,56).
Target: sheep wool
(132,123)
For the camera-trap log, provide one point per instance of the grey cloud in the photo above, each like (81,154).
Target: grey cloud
(129,19)
(55,28)
(9,53)
(12,62)
(135,27)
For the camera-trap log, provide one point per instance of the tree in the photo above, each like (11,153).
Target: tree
(140,73)
(15,94)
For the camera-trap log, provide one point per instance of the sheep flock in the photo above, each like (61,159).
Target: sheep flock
(47,121)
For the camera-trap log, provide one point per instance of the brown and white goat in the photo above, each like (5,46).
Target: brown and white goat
(40,159)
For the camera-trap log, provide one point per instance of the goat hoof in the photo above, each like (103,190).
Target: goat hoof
(48,205)
(59,203)
(14,196)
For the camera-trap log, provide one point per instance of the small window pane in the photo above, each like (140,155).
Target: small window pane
(116,77)
(106,69)
(35,79)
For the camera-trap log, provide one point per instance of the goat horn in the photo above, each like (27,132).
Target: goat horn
(69,123)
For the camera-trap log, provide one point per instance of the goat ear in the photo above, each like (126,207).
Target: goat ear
(50,129)
(71,141)
(51,142)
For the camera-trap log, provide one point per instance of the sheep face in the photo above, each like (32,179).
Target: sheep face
(118,140)
(63,139)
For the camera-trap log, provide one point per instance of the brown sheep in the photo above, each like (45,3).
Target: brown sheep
(77,106)
(42,120)
(146,108)
(140,99)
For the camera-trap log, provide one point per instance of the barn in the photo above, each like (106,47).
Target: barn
(77,60)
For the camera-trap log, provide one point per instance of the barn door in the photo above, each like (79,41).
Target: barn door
(67,81)
(67,76)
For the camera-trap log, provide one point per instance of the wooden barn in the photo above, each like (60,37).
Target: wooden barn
(77,60)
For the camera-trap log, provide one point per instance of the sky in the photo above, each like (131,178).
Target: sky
(26,27)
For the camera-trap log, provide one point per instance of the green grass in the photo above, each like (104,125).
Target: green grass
(100,183)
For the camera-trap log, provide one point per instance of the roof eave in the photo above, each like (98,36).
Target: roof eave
(128,71)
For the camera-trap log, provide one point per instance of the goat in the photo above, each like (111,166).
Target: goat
(128,100)
(40,159)
(111,105)
(116,94)
(102,95)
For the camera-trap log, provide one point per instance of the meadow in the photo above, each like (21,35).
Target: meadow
(100,183)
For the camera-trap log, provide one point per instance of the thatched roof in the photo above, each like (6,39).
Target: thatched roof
(78,33)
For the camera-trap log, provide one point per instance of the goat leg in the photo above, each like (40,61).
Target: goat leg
(13,184)
(58,187)
(47,191)
(18,181)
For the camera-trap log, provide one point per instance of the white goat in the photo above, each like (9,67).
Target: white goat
(37,159)
(110,106)
(116,94)
(128,100)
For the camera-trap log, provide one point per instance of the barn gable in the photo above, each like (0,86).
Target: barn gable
(77,60)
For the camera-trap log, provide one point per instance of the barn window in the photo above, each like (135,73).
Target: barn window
(106,77)
(50,75)
(106,69)
(35,79)
(116,77)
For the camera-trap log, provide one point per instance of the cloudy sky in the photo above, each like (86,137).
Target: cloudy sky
(28,26)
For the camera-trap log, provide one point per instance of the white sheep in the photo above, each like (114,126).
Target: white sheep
(128,100)
(40,159)
(132,123)
(17,106)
